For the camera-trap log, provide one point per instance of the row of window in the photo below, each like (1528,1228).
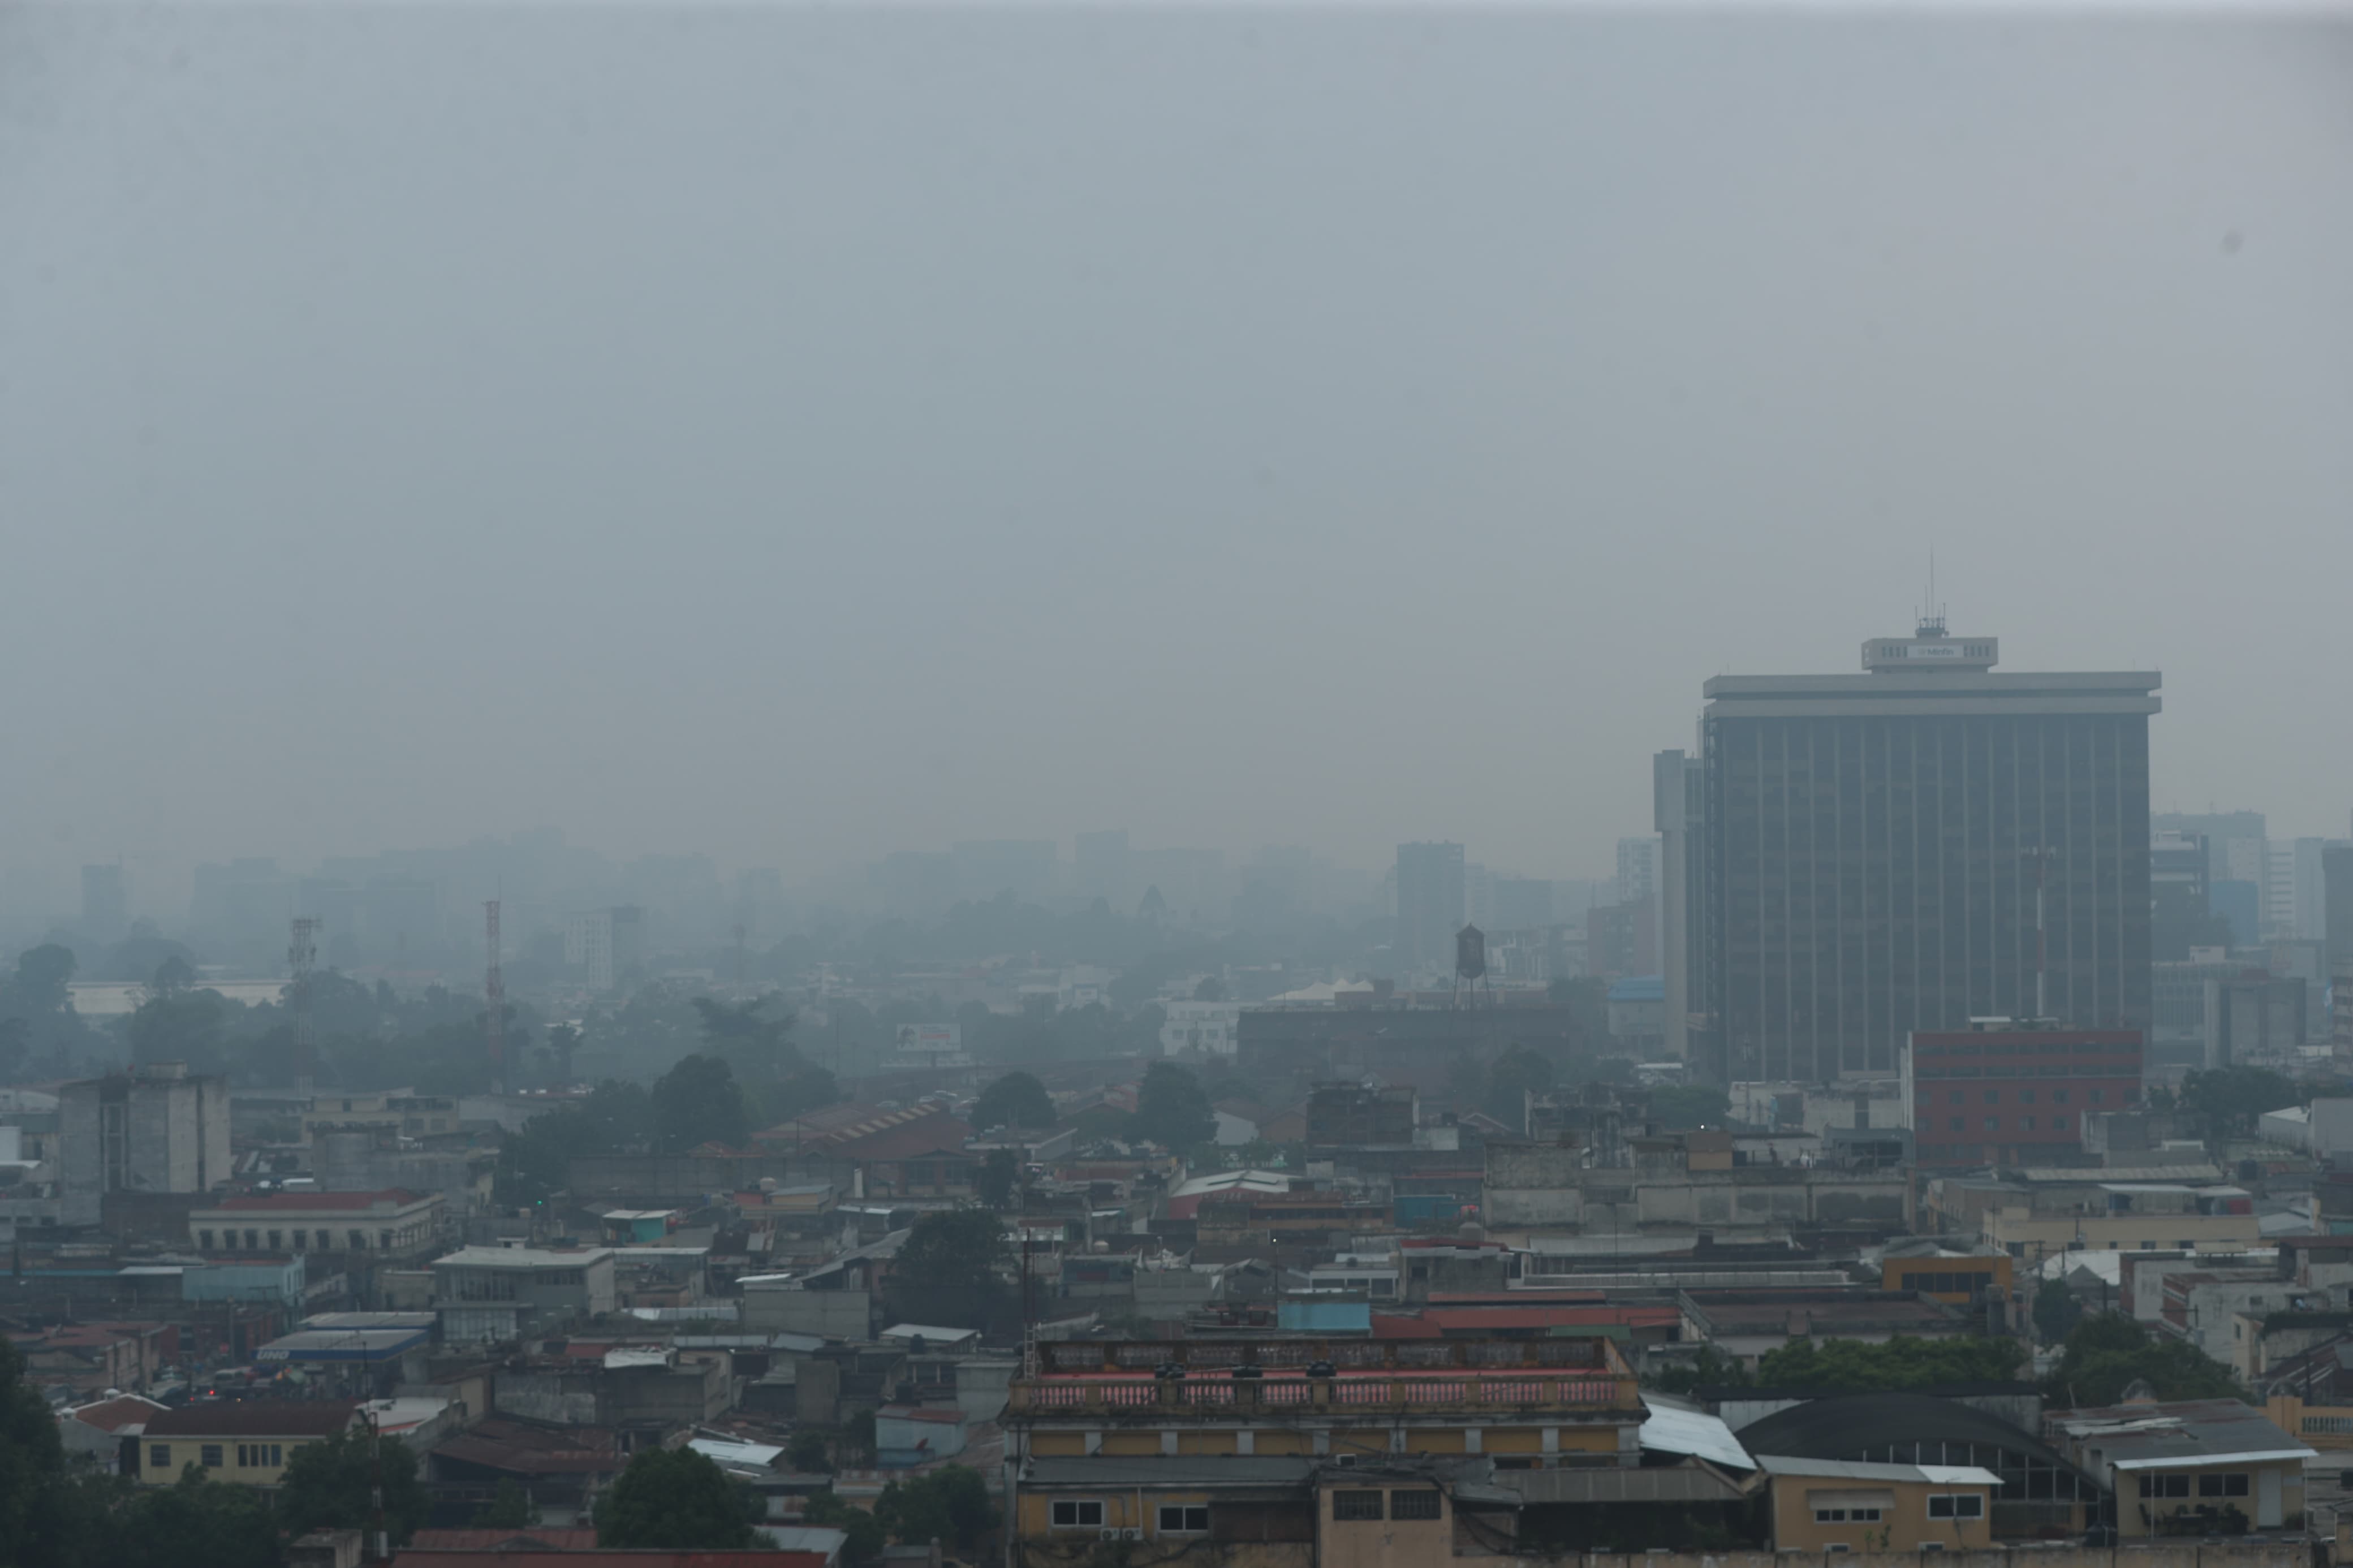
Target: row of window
(1193,1519)
(1993,1125)
(1944,1282)
(1956,1505)
(2224,1484)
(250,1456)
(1846,1516)
(355,1241)
(2025,1097)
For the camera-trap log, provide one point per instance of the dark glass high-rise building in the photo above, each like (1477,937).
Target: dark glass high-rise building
(1872,844)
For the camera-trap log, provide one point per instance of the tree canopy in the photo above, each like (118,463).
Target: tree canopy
(698,1101)
(674,1498)
(1171,1110)
(1906,1361)
(327,1485)
(1017,1099)
(946,1271)
(949,1505)
(2107,1352)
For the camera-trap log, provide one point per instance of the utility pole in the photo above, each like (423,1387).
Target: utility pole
(494,995)
(381,1549)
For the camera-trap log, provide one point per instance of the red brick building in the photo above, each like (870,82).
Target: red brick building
(2004,1095)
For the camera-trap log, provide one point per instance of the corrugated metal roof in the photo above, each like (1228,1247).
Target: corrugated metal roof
(1850,1471)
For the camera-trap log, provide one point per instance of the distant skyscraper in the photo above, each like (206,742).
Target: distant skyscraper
(1873,843)
(1429,905)
(1638,870)
(1678,791)
(105,903)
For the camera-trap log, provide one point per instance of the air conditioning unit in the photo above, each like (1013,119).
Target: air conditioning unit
(1131,1535)
(1107,1533)
(1343,1458)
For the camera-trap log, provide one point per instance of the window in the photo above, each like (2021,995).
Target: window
(159,1455)
(1993,1097)
(2096,1094)
(209,1456)
(1073,1515)
(1846,1516)
(1958,1098)
(2026,1124)
(253,1241)
(1830,1516)
(2222,1486)
(1993,1125)
(2164,1485)
(1958,1123)
(383,1240)
(2025,1097)
(1355,1505)
(276,1240)
(1956,1505)
(204,1241)
(2188,1246)
(301,1240)
(1186,1519)
(359,1241)
(1413,1505)
(2058,1097)
(2058,1124)
(1837,1546)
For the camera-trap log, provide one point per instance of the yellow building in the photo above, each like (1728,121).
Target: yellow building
(250,1442)
(1950,1276)
(2201,1467)
(1260,1513)
(1526,1401)
(1835,1505)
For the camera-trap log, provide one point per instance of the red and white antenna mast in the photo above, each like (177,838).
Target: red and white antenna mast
(494,998)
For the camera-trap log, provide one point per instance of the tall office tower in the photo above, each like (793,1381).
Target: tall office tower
(1678,808)
(1428,905)
(105,903)
(1876,843)
(2180,916)
(1638,870)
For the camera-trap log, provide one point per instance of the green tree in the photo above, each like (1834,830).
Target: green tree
(949,1505)
(172,977)
(509,1508)
(674,1498)
(2107,1352)
(811,1089)
(1681,1106)
(195,1522)
(698,1101)
(1017,1099)
(188,1026)
(1905,1360)
(999,1174)
(1510,1078)
(946,1270)
(748,1039)
(865,1531)
(1709,1369)
(327,1485)
(32,1470)
(1171,1109)
(2056,1312)
(2236,1096)
(533,1165)
(806,1453)
(1211,989)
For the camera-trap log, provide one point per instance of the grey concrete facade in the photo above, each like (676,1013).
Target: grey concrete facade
(156,1129)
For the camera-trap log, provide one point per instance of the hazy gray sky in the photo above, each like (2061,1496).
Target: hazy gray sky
(796,433)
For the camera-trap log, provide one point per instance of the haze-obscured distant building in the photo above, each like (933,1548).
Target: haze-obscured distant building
(1872,852)
(606,944)
(105,903)
(1429,905)
(155,1130)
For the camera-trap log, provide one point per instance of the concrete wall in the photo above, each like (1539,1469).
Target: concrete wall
(1536,1184)
(565,1399)
(835,1314)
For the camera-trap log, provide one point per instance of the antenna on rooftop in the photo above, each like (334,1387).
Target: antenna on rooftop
(302,955)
